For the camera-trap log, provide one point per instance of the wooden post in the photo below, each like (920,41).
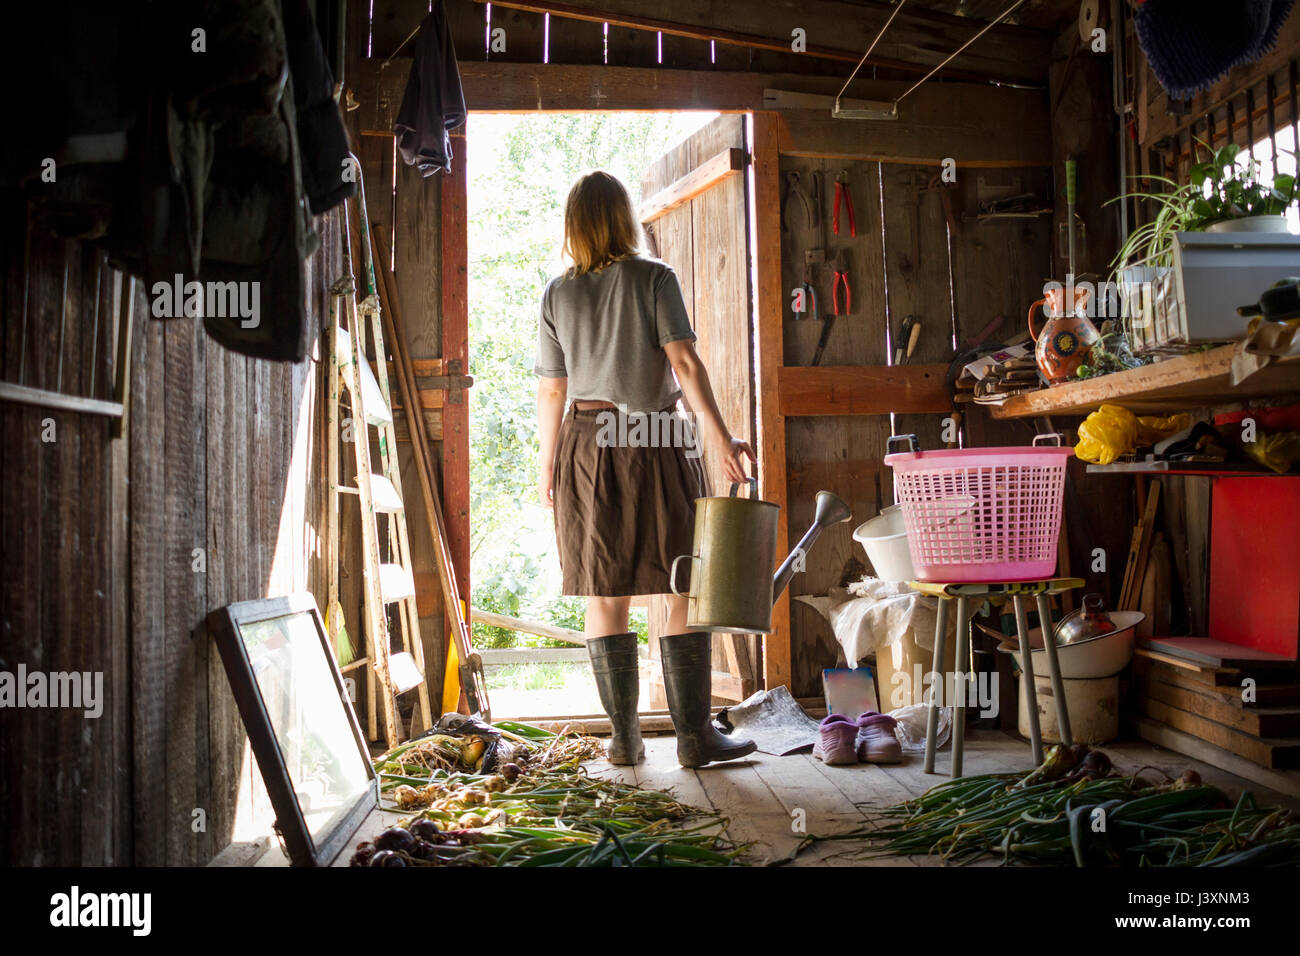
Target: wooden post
(768,359)
(455,348)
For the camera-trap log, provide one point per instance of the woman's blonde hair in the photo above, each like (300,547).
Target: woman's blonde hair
(600,225)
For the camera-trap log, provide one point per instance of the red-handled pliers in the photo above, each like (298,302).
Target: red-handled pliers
(840,270)
(842,192)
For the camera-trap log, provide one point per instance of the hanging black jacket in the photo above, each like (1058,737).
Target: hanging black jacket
(434,103)
(206,163)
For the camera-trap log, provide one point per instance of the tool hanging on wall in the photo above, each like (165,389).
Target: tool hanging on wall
(907,339)
(389,583)
(945,191)
(1072,235)
(808,294)
(842,192)
(840,271)
(792,188)
(915,184)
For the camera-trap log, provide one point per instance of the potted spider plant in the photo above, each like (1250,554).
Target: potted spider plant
(1221,195)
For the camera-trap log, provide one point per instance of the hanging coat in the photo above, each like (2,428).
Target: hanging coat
(205,165)
(434,103)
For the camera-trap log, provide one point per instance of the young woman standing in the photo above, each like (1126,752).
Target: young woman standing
(615,343)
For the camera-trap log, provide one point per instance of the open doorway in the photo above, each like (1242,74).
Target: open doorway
(520,168)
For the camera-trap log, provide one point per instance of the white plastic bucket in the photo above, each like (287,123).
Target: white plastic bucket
(884,538)
(1092,703)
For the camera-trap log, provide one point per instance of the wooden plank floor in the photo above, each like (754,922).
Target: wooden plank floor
(766,798)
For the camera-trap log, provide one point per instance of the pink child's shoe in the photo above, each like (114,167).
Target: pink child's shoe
(837,736)
(876,741)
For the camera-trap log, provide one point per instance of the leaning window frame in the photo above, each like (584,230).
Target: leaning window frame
(224,624)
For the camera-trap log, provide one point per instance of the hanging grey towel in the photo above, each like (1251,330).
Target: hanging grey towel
(433,104)
(1192,43)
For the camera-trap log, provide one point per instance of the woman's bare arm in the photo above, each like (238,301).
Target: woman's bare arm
(694,380)
(550,411)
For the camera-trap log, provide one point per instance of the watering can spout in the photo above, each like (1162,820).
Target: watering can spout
(831,509)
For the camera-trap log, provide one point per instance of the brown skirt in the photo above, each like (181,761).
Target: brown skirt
(622,513)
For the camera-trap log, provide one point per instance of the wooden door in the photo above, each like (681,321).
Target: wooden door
(695,209)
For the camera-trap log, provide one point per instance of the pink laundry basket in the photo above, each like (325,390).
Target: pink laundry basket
(981,514)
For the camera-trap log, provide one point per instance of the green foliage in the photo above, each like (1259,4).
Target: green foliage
(520,171)
(1229,190)
(1111,354)
(1227,185)
(543,675)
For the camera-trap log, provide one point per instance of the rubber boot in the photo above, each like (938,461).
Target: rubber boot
(618,681)
(688,676)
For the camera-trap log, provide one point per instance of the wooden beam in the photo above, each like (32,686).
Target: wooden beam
(938,121)
(123,321)
(775,99)
(500,87)
(833,30)
(43,398)
(863,390)
(975,126)
(454,202)
(527,627)
(769,345)
(708,174)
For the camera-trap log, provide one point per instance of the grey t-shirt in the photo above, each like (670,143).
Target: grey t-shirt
(606,331)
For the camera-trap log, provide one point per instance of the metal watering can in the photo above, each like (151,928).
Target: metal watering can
(732,583)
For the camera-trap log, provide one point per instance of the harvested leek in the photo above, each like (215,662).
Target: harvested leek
(1075,810)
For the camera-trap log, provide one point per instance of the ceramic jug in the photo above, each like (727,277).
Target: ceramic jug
(1068,335)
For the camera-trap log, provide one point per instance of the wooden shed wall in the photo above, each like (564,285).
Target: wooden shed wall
(991,269)
(100,540)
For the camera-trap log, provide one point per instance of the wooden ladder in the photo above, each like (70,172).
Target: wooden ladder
(385,583)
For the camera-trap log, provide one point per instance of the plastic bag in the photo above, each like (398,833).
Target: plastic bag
(1154,428)
(1106,434)
(910,729)
(1276,450)
(1112,431)
(496,750)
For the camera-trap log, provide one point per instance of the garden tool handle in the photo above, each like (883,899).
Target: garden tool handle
(1032,333)
(672,573)
(751,482)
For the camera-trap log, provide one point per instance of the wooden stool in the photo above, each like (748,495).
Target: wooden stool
(962,593)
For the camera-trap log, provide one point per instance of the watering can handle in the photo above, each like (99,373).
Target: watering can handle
(672,573)
(913,443)
(1033,334)
(753,490)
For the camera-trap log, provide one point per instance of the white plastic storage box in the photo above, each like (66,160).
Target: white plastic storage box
(1193,302)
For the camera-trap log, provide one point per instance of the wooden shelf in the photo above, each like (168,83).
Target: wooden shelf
(1187,381)
(1205,469)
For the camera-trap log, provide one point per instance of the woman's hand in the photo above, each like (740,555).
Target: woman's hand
(731,453)
(546,486)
